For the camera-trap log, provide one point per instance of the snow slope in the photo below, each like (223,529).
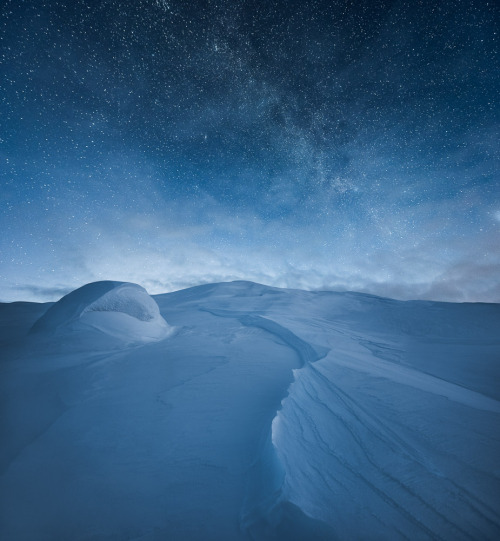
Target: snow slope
(268,414)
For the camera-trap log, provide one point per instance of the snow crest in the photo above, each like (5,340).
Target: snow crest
(119,309)
(128,299)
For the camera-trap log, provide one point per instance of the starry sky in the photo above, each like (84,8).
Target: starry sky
(343,145)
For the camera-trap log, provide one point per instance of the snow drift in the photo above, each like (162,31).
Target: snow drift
(122,310)
(269,415)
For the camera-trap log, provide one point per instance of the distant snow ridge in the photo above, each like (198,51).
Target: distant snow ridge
(119,309)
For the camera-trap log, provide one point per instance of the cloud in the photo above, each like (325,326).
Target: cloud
(412,253)
(277,254)
(35,293)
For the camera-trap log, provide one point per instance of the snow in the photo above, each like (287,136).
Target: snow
(267,414)
(122,310)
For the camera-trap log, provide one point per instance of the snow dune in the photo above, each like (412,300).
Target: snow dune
(268,414)
(118,309)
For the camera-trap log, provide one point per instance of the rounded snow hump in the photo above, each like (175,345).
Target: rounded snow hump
(119,309)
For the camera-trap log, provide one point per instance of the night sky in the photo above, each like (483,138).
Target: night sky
(310,144)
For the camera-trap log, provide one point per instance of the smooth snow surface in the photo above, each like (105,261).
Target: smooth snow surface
(269,414)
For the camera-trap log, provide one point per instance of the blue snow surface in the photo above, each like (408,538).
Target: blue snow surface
(239,411)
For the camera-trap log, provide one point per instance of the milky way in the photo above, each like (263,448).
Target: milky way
(313,144)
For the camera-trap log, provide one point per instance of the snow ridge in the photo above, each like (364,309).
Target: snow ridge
(305,351)
(263,508)
(336,447)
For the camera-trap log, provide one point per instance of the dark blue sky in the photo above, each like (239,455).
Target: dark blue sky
(312,144)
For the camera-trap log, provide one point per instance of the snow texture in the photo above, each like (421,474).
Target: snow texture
(269,414)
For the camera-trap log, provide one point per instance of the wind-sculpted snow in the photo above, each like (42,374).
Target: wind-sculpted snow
(263,510)
(121,310)
(128,299)
(305,351)
(412,460)
(269,415)
(378,450)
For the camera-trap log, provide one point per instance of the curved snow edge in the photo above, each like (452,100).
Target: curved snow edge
(266,510)
(119,309)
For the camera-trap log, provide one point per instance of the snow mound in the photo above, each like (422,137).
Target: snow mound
(128,299)
(122,310)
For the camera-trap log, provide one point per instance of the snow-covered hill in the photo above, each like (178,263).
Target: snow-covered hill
(254,413)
